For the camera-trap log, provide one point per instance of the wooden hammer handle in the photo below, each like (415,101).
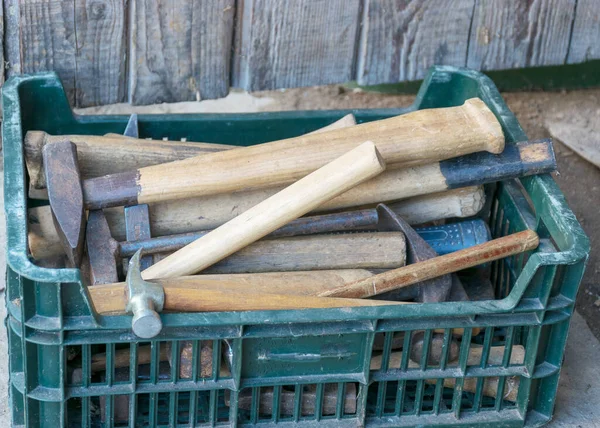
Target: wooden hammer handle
(413,139)
(102,155)
(352,168)
(432,268)
(222,299)
(416,138)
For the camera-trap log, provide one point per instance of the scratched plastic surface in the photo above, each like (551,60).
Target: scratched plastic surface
(498,363)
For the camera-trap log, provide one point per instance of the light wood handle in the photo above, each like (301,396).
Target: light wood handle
(101,155)
(208,212)
(222,299)
(415,138)
(432,268)
(296,200)
(112,298)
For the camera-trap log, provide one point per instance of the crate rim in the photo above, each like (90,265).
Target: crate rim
(16,205)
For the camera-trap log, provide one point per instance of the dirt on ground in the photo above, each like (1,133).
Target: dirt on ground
(579,179)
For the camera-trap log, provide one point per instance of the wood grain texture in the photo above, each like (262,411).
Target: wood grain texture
(401,39)
(294,201)
(585,38)
(82,40)
(379,250)
(223,300)
(192,215)
(47,40)
(100,72)
(285,44)
(180,50)
(101,155)
(111,297)
(515,34)
(2,64)
(415,138)
(448,263)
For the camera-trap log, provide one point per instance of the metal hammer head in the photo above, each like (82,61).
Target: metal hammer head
(417,250)
(66,196)
(144,301)
(102,250)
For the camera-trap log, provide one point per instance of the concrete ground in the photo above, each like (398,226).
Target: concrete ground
(578,400)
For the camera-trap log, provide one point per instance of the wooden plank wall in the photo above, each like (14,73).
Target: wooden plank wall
(153,51)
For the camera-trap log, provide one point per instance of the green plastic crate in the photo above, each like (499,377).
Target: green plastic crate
(279,355)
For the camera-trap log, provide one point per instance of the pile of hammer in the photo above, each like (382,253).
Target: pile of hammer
(195,227)
(210,227)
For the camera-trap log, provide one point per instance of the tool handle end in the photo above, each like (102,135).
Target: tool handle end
(487,121)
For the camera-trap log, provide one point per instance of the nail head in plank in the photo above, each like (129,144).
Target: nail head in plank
(100,55)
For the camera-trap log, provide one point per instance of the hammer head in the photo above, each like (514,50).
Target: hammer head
(144,300)
(102,250)
(417,250)
(66,197)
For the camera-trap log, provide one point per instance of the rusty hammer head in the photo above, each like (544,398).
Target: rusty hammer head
(102,250)
(65,193)
(430,291)
(417,250)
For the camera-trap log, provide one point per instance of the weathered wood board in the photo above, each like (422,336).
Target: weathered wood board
(2,66)
(180,50)
(154,51)
(100,56)
(515,33)
(82,40)
(43,38)
(285,44)
(401,39)
(585,39)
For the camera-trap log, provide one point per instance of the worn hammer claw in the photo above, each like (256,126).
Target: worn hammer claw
(144,301)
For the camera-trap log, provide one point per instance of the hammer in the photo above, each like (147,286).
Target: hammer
(416,138)
(146,299)
(102,155)
(517,160)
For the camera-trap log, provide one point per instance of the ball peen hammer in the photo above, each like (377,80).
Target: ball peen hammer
(146,299)
(412,139)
